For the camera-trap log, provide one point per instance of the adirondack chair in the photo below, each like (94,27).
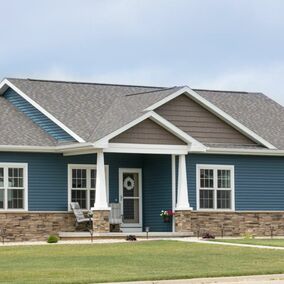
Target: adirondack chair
(115,218)
(80,217)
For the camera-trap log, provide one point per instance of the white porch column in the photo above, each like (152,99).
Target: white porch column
(182,189)
(101,190)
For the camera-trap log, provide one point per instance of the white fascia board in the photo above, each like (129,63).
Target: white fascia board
(103,143)
(217,111)
(3,88)
(249,152)
(146,148)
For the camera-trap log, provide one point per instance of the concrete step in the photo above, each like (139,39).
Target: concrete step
(112,235)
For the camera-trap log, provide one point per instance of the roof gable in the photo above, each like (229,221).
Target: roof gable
(255,110)
(147,132)
(18,130)
(201,124)
(37,117)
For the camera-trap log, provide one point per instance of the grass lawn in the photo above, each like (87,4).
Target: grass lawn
(262,242)
(150,260)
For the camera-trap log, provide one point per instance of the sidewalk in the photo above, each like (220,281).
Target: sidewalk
(257,279)
(195,240)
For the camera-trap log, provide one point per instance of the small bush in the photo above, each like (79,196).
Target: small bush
(52,239)
(131,238)
(208,236)
(248,236)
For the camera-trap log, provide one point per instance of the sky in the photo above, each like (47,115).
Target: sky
(211,44)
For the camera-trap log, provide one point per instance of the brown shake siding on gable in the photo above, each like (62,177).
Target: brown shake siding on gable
(199,123)
(147,132)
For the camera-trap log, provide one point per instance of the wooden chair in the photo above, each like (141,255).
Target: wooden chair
(79,215)
(115,218)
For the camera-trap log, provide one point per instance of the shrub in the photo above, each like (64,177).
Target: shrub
(248,236)
(131,238)
(208,236)
(52,239)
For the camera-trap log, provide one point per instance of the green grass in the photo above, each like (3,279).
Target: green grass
(261,242)
(150,260)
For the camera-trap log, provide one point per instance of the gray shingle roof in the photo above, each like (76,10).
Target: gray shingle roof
(84,106)
(17,129)
(94,110)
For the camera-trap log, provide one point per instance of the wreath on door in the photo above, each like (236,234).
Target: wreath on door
(129,183)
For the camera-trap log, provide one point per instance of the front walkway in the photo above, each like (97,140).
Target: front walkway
(257,279)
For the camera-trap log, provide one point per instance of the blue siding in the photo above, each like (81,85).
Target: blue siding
(259,181)
(157,191)
(48,181)
(37,117)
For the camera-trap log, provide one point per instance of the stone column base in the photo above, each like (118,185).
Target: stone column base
(101,221)
(183,220)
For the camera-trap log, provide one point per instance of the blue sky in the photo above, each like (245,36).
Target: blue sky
(219,44)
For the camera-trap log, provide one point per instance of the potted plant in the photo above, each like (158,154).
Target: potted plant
(167,215)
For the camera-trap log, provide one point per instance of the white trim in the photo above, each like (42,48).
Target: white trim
(6,82)
(217,111)
(232,189)
(177,132)
(137,226)
(173,190)
(25,175)
(254,152)
(83,166)
(79,149)
(146,148)
(194,144)
(104,141)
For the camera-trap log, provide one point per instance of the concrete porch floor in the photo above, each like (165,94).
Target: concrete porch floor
(119,235)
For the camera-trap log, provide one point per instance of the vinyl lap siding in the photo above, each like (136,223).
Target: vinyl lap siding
(157,191)
(37,117)
(48,181)
(199,123)
(147,132)
(259,181)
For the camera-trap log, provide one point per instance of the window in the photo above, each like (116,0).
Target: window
(13,186)
(215,187)
(82,184)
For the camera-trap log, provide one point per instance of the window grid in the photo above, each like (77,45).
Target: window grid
(83,186)
(13,186)
(218,196)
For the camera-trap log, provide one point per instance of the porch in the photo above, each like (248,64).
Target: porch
(143,185)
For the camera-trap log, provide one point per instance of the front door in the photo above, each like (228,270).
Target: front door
(130,193)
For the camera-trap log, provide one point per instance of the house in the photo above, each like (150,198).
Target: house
(214,157)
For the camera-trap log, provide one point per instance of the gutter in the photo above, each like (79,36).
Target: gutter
(251,152)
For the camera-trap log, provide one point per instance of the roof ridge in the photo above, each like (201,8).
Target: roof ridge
(153,91)
(86,83)
(225,91)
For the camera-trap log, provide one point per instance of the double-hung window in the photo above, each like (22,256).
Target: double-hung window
(82,184)
(13,186)
(215,187)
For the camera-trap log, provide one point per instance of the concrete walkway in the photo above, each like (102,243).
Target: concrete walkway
(195,240)
(258,279)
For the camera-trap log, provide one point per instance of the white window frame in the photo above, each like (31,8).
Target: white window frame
(6,166)
(215,168)
(87,167)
